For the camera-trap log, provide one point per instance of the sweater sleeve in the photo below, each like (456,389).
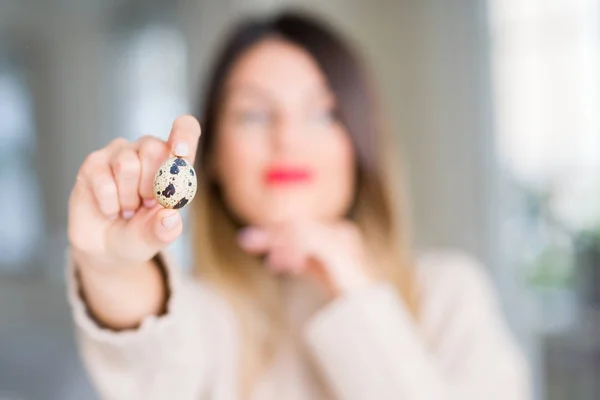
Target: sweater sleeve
(167,356)
(369,347)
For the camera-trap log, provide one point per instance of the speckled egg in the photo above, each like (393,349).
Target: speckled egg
(175,183)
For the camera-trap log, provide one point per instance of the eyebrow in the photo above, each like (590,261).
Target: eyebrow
(324,92)
(256,91)
(251,90)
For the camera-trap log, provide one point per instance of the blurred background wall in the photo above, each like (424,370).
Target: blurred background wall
(494,104)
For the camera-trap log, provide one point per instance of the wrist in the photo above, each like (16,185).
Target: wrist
(352,280)
(100,264)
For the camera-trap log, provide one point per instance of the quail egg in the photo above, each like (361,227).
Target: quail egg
(175,183)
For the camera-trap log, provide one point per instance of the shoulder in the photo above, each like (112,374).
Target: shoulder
(453,283)
(452,271)
(461,319)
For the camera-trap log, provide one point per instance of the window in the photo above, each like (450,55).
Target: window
(20,201)
(545,69)
(546,58)
(152,81)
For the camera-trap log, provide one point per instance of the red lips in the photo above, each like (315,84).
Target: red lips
(287,174)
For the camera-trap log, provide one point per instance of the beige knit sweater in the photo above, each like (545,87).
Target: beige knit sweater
(357,347)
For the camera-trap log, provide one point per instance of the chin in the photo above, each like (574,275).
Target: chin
(285,214)
(282,211)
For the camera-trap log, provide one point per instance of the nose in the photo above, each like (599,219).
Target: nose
(286,134)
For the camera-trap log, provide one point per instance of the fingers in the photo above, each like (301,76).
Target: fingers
(126,168)
(183,139)
(147,233)
(97,176)
(255,240)
(152,153)
(282,247)
(287,259)
(121,175)
(105,192)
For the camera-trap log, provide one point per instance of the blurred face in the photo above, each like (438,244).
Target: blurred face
(280,153)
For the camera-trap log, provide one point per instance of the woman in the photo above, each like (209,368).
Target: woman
(304,285)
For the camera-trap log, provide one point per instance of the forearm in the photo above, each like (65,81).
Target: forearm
(167,356)
(119,297)
(368,344)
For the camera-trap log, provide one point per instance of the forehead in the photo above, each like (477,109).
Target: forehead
(276,68)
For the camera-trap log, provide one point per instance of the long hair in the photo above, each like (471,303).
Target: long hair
(252,291)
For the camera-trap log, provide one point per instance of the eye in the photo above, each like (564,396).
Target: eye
(325,116)
(253,117)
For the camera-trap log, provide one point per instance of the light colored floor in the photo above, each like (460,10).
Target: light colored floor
(38,357)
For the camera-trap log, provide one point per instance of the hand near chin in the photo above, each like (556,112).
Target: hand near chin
(333,254)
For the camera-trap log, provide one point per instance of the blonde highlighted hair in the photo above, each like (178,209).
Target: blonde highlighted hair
(252,291)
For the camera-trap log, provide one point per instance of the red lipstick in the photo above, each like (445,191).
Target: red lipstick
(282,175)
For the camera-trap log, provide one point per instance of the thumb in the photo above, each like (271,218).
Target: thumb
(146,234)
(163,228)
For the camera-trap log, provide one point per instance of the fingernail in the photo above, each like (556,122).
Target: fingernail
(128,214)
(181,149)
(170,221)
(250,236)
(149,203)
